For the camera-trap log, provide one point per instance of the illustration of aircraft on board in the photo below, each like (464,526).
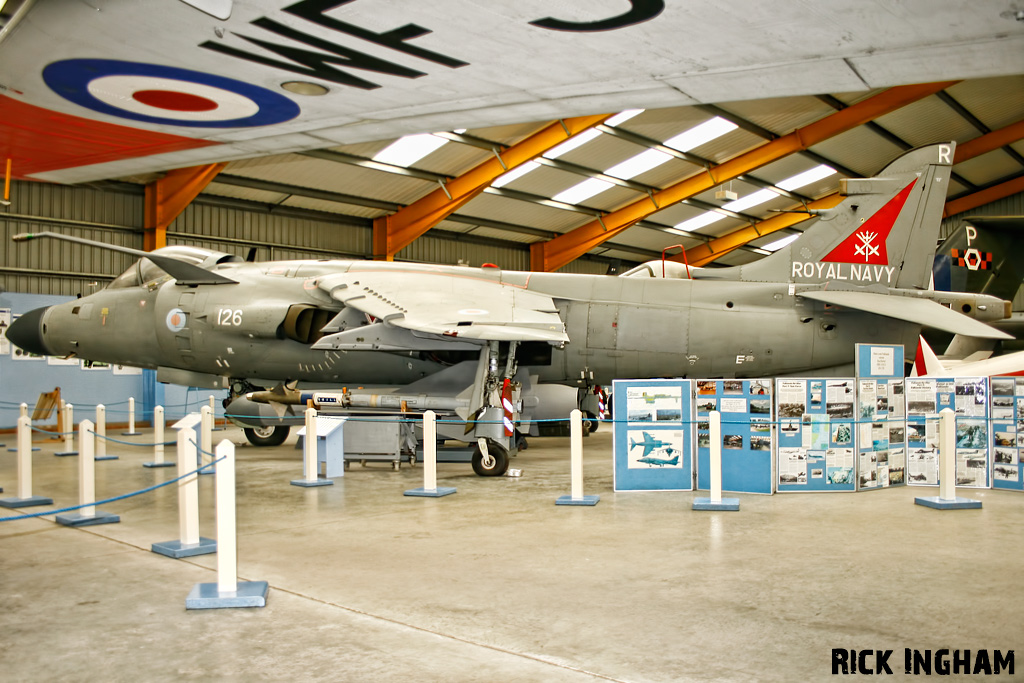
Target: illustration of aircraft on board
(649,444)
(859,273)
(661,462)
(134,87)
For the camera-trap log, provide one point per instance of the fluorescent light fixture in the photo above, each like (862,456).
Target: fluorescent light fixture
(623,116)
(807,177)
(582,191)
(698,222)
(517,172)
(699,135)
(410,149)
(751,200)
(572,143)
(779,244)
(638,164)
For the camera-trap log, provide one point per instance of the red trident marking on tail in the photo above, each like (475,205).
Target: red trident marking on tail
(867,245)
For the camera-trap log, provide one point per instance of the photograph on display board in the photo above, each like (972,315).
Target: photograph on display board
(706,405)
(706,386)
(921,396)
(732,386)
(971,467)
(761,406)
(971,397)
(866,407)
(650,404)
(654,450)
(760,387)
(839,399)
(971,433)
(923,466)
(1005,473)
(1003,386)
(896,398)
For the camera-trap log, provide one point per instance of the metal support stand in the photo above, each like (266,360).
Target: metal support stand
(310,466)
(87,515)
(947,498)
(576,496)
(716,502)
(430,488)
(227,592)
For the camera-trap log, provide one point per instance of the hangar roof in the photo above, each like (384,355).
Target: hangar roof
(637,153)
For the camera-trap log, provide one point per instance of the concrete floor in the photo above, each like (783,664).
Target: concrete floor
(496,583)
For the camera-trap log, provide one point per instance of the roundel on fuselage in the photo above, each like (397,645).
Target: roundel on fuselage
(167,95)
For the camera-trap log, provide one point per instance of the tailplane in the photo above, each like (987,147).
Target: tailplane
(883,232)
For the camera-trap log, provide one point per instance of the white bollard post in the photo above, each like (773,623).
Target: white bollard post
(87,514)
(131,418)
(206,438)
(715,435)
(430,488)
(947,499)
(213,411)
(310,465)
(24,449)
(227,553)
(69,431)
(715,501)
(189,543)
(227,592)
(23,410)
(576,496)
(947,455)
(158,440)
(101,434)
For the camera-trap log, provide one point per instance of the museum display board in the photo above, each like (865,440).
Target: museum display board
(882,427)
(1006,410)
(653,435)
(815,434)
(747,433)
(968,398)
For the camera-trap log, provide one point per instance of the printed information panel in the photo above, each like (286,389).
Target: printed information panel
(653,434)
(882,441)
(968,397)
(1007,411)
(816,434)
(746,409)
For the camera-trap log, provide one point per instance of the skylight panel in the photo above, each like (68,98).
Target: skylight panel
(698,222)
(409,149)
(582,191)
(623,116)
(699,135)
(751,200)
(807,177)
(780,243)
(517,172)
(638,164)
(572,143)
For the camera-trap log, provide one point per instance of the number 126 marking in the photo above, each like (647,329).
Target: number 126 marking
(229,317)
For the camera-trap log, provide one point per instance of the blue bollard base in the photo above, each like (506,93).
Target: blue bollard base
(107,457)
(15,449)
(248,594)
(957,503)
(64,454)
(131,433)
(312,482)
(585,500)
(178,550)
(25,502)
(76,519)
(430,493)
(727,504)
(158,464)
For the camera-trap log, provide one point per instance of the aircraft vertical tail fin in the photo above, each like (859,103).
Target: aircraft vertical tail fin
(926,362)
(883,232)
(982,256)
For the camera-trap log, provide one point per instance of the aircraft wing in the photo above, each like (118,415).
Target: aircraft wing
(921,311)
(451,306)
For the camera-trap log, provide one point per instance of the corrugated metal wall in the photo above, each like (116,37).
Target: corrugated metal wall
(114,215)
(1008,206)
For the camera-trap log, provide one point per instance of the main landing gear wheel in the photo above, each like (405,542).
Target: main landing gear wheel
(590,423)
(495,465)
(267,436)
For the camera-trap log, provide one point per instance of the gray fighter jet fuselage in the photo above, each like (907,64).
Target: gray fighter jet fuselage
(856,276)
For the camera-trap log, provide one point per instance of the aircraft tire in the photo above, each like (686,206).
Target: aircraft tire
(264,437)
(590,423)
(500,456)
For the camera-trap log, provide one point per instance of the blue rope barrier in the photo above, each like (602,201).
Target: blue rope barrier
(115,498)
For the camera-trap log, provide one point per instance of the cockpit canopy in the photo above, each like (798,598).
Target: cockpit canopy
(144,271)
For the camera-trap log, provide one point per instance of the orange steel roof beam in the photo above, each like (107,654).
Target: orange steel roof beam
(167,197)
(552,255)
(393,233)
(703,254)
(981,197)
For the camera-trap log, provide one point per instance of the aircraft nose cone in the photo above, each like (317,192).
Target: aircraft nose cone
(27,332)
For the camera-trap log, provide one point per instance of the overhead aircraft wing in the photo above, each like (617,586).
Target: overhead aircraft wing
(921,311)
(466,308)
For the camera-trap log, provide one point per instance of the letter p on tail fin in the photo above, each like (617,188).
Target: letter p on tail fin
(884,230)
